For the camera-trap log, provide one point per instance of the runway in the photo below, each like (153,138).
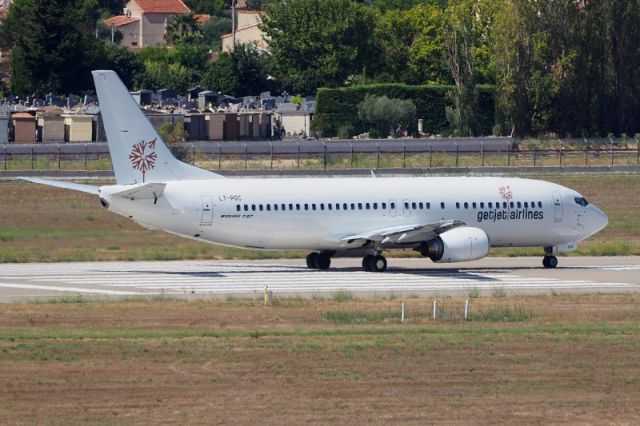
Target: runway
(286,278)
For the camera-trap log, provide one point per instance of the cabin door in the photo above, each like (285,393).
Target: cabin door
(207,211)
(557,207)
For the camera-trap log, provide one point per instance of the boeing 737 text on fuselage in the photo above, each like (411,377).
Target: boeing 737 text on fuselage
(448,219)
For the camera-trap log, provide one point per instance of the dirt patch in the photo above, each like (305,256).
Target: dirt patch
(574,360)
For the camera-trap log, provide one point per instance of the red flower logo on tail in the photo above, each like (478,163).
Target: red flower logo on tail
(143,156)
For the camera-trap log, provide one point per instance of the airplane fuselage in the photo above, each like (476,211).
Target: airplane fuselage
(315,214)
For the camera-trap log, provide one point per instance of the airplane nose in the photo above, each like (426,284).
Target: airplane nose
(597,219)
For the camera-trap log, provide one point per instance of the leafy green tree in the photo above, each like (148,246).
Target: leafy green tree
(162,75)
(387,116)
(50,41)
(316,43)
(209,7)
(212,30)
(412,45)
(243,72)
(183,29)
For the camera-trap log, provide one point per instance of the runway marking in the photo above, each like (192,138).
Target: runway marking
(205,277)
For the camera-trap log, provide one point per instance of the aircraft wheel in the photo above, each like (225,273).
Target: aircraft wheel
(378,264)
(311,260)
(323,261)
(550,261)
(366,262)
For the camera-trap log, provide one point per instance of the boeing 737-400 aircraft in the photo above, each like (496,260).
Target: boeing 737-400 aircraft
(447,219)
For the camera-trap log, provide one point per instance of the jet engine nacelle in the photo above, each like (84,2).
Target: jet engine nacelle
(457,245)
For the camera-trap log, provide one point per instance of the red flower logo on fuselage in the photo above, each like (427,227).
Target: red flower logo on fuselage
(143,156)
(505,192)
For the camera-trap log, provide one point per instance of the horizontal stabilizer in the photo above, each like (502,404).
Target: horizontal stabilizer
(150,191)
(89,189)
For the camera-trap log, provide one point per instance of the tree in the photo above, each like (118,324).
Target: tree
(183,29)
(209,7)
(316,43)
(387,116)
(411,43)
(50,41)
(212,30)
(243,72)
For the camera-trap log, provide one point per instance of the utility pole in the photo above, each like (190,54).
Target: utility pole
(233,24)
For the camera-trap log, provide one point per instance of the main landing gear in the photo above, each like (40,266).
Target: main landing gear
(320,260)
(370,263)
(549,261)
(374,263)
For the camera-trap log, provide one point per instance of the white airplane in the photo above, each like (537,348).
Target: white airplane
(448,219)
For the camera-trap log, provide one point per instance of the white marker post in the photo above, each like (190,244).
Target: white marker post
(466,309)
(434,310)
(403,313)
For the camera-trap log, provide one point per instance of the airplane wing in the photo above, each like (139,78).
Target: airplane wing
(149,191)
(89,189)
(405,233)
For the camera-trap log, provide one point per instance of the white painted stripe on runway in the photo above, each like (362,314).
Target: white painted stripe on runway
(68,289)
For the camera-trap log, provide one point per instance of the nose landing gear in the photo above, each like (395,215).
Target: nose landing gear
(549,261)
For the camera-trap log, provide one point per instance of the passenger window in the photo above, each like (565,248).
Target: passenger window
(261,207)
(504,204)
(337,206)
(406,206)
(482,205)
(253,207)
(246,208)
(283,207)
(511,204)
(457,205)
(393,206)
(526,205)
(428,206)
(375,206)
(490,205)
(367,206)
(539,204)
(297,206)
(519,205)
(275,207)
(313,206)
(353,206)
(321,206)
(442,206)
(473,205)
(466,205)
(345,206)
(306,206)
(290,206)
(414,206)
(238,208)
(420,205)
(359,206)
(330,206)
(384,206)
(268,207)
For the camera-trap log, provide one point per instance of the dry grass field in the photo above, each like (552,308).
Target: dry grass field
(45,224)
(520,360)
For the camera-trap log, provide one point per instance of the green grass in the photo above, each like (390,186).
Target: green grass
(502,314)
(361,317)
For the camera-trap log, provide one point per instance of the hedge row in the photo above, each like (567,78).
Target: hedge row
(338,108)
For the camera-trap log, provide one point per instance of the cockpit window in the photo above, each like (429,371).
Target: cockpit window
(581,201)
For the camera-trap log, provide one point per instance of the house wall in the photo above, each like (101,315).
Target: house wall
(153,28)
(296,123)
(130,34)
(247,18)
(244,36)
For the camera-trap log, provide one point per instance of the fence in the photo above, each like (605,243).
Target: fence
(335,156)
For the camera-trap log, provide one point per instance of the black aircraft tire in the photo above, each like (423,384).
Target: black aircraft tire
(323,261)
(311,260)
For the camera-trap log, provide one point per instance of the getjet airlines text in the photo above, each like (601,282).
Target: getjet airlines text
(496,215)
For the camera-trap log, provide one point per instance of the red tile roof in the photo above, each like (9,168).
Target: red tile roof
(202,19)
(118,21)
(162,6)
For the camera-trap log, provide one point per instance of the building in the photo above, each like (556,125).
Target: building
(144,22)
(247,31)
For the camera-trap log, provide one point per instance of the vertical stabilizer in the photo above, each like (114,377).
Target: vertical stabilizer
(138,154)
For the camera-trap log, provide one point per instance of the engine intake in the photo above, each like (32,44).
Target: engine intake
(457,245)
